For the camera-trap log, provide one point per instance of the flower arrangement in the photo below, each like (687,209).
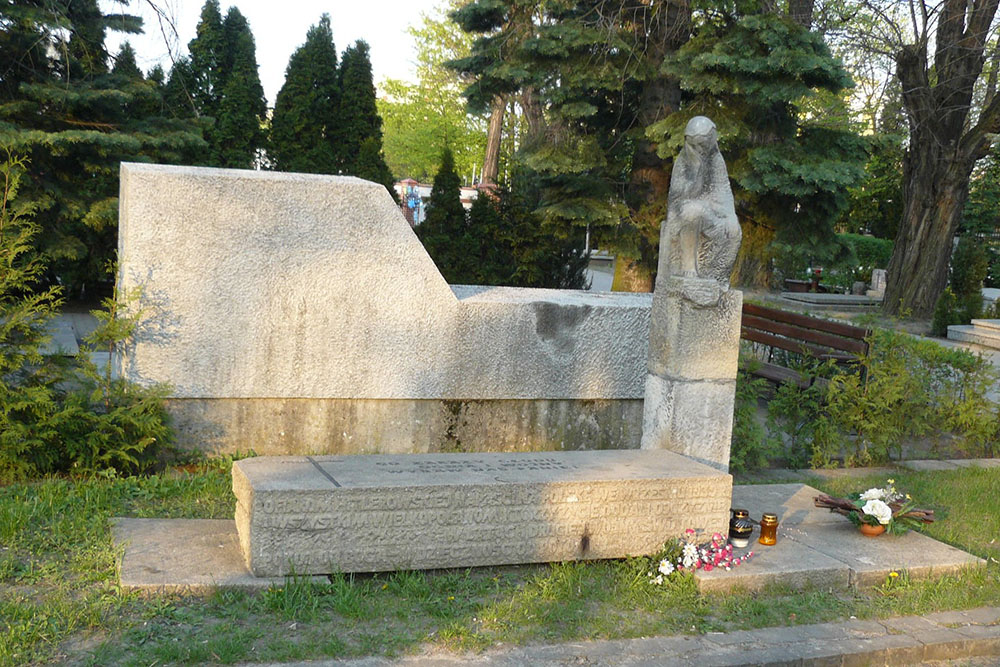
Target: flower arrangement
(882,506)
(688,555)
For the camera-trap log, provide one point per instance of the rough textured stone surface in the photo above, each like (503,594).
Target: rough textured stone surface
(928,465)
(287,426)
(375,513)
(691,418)
(182,556)
(271,285)
(689,341)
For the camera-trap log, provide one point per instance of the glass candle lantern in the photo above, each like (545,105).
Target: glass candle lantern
(740,528)
(769,529)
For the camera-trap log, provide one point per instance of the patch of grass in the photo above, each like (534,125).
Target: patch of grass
(59,600)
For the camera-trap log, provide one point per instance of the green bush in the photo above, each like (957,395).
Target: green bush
(962,301)
(58,415)
(751,447)
(903,388)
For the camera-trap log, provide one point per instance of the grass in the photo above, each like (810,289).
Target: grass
(59,600)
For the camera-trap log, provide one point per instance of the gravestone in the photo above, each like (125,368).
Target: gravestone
(325,514)
(695,321)
(878,284)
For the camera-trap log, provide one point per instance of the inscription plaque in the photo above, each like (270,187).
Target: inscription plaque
(324,514)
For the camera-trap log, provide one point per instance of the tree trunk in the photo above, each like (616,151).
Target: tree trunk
(494,132)
(934,194)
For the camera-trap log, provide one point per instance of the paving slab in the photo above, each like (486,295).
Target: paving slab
(62,339)
(793,503)
(976,463)
(908,640)
(872,559)
(826,299)
(192,556)
(839,473)
(928,465)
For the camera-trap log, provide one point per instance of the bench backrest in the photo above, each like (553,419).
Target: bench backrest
(802,334)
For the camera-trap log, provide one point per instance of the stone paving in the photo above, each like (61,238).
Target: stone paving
(906,640)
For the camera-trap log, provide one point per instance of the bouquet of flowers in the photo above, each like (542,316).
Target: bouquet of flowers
(688,555)
(885,506)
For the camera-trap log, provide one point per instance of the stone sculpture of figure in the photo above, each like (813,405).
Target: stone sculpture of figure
(701,234)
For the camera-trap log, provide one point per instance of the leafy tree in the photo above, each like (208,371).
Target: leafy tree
(876,204)
(76,121)
(303,126)
(422,117)
(951,105)
(444,232)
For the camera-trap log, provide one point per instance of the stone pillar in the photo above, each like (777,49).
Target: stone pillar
(694,343)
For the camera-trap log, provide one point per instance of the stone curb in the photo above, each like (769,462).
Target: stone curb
(904,640)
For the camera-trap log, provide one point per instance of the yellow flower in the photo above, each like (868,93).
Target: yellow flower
(385,586)
(894,574)
(451,597)
(891,481)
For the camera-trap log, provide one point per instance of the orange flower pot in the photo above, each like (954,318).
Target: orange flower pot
(869,530)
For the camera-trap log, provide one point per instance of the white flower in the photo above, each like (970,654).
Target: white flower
(657,580)
(879,510)
(873,494)
(690,555)
(666,567)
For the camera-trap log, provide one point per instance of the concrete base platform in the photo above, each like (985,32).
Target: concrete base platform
(819,299)
(191,556)
(816,548)
(973,333)
(821,548)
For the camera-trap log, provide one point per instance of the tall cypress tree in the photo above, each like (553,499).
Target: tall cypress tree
(358,116)
(207,49)
(444,232)
(305,112)
(238,131)
(76,121)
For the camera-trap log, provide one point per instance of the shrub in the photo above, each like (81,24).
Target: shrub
(751,447)
(962,301)
(57,415)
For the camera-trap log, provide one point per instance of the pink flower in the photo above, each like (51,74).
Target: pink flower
(689,531)
(736,561)
(708,567)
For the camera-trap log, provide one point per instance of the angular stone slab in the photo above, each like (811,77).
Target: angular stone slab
(183,556)
(968,333)
(324,514)
(872,559)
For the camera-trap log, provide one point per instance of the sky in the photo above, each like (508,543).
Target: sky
(279,27)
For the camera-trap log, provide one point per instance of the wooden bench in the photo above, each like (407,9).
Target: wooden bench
(801,334)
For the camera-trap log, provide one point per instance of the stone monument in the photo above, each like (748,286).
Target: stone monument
(695,320)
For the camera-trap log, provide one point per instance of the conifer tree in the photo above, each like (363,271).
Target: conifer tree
(76,121)
(306,110)
(444,231)
(207,49)
(238,131)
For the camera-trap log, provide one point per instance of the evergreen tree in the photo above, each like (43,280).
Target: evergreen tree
(752,73)
(358,116)
(303,126)
(444,231)
(359,128)
(75,122)
(370,165)
(178,97)
(207,53)
(238,131)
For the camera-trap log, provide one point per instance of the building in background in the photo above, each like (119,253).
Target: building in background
(414,196)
